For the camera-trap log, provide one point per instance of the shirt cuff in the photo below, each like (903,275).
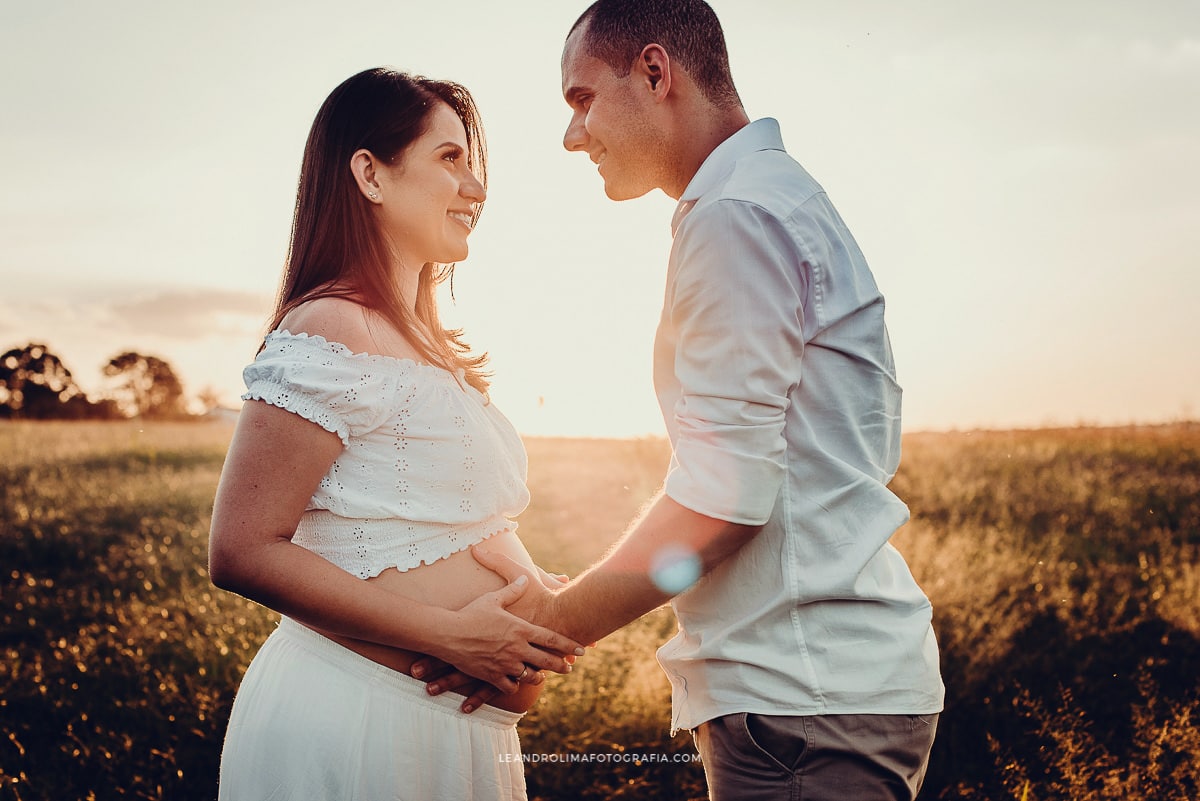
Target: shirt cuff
(739,488)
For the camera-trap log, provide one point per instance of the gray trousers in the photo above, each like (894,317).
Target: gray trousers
(815,757)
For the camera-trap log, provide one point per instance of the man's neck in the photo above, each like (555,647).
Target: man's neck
(704,134)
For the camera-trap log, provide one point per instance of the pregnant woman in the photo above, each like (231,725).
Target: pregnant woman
(366,461)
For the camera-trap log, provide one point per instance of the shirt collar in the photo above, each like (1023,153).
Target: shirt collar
(759,135)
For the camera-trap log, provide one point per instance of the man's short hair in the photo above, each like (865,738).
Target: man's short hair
(618,30)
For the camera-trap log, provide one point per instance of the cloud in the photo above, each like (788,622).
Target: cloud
(187,313)
(206,334)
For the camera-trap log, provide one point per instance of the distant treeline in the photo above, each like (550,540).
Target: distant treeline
(35,384)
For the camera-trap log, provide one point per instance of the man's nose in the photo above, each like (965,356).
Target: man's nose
(576,135)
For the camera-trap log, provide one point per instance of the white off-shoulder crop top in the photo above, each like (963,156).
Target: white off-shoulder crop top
(430,467)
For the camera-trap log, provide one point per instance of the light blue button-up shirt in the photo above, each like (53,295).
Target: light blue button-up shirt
(775,377)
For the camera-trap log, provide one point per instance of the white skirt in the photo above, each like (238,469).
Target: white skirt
(314,721)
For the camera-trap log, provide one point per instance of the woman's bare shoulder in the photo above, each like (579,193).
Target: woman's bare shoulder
(344,321)
(336,319)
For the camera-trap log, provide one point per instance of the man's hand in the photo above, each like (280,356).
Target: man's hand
(664,553)
(489,641)
(536,603)
(442,677)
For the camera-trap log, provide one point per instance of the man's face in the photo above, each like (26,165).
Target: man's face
(610,122)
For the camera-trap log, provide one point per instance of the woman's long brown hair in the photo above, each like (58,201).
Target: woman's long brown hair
(336,247)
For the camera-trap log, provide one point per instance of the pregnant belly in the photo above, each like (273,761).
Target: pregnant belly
(450,583)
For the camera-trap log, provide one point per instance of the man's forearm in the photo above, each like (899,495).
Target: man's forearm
(665,552)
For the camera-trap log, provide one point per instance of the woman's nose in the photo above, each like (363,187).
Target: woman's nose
(472,189)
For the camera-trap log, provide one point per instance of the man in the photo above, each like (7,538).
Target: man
(805,662)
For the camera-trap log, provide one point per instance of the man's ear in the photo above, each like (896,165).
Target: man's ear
(362,166)
(653,66)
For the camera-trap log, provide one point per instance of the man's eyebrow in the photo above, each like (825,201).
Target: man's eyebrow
(571,95)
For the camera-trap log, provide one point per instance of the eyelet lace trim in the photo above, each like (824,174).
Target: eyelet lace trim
(366,548)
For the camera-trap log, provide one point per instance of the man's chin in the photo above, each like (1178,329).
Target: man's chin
(622,192)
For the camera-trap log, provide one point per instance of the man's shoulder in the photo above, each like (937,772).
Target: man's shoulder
(769,179)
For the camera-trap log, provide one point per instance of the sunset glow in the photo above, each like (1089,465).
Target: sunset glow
(1022,179)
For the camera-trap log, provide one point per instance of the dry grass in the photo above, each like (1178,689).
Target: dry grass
(1062,566)
(30,443)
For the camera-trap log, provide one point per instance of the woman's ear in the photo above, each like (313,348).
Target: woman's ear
(362,166)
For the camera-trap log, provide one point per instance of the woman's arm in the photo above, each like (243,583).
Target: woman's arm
(275,462)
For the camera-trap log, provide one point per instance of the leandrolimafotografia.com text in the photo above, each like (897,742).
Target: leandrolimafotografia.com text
(605,757)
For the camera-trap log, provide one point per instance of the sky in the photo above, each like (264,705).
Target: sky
(1022,177)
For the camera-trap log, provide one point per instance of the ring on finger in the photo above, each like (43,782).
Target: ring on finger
(524,670)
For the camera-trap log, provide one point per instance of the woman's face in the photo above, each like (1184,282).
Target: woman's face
(428,195)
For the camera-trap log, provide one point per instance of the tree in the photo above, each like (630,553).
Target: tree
(209,399)
(34,383)
(148,386)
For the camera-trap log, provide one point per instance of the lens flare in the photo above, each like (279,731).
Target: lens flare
(675,568)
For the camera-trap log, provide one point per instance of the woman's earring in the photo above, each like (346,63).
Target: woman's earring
(373,195)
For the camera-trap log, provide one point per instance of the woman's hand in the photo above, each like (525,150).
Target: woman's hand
(488,642)
(443,677)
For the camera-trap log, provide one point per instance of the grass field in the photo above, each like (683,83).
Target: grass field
(1064,568)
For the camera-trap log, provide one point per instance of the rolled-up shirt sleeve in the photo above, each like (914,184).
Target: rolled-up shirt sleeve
(735,310)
